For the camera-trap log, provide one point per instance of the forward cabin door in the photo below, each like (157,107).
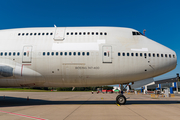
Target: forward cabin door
(27,54)
(107,54)
(59,34)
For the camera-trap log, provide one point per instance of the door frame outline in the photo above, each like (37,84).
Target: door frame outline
(26,53)
(103,53)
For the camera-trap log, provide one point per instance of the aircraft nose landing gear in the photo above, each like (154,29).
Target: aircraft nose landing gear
(121,99)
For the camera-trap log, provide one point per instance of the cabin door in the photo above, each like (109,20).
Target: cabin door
(59,34)
(107,54)
(27,54)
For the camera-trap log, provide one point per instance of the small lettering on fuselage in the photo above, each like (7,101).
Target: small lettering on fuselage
(88,67)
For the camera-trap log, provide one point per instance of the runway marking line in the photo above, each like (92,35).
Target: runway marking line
(21,115)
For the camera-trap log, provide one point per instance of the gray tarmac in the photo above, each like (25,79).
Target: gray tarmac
(85,106)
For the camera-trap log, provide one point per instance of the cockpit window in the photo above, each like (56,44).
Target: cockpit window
(136,33)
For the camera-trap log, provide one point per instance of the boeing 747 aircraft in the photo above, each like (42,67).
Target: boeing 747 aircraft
(80,57)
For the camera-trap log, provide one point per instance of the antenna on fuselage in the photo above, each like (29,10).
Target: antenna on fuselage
(144,32)
(54,25)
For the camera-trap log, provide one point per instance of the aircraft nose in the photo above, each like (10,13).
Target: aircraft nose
(170,59)
(173,61)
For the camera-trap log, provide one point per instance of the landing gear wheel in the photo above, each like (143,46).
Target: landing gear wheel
(121,99)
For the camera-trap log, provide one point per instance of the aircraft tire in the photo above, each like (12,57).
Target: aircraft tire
(121,99)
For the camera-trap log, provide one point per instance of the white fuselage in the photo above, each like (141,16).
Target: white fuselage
(79,56)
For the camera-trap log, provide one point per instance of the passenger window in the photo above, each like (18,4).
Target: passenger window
(71,33)
(87,53)
(83,53)
(145,54)
(70,53)
(30,34)
(165,55)
(24,53)
(5,53)
(153,55)
(48,53)
(119,54)
(88,33)
(105,33)
(104,53)
(127,54)
(161,55)
(173,56)
(169,55)
(92,33)
(26,33)
(74,53)
(52,53)
(101,33)
(42,33)
(149,54)
(39,33)
(14,53)
(157,55)
(47,33)
(61,53)
(44,53)
(9,53)
(123,54)
(141,54)
(96,33)
(19,34)
(75,33)
(132,54)
(80,33)
(18,53)
(56,53)
(51,33)
(67,33)
(84,33)
(79,53)
(136,54)
(34,33)
(23,34)
(65,53)
(1,53)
